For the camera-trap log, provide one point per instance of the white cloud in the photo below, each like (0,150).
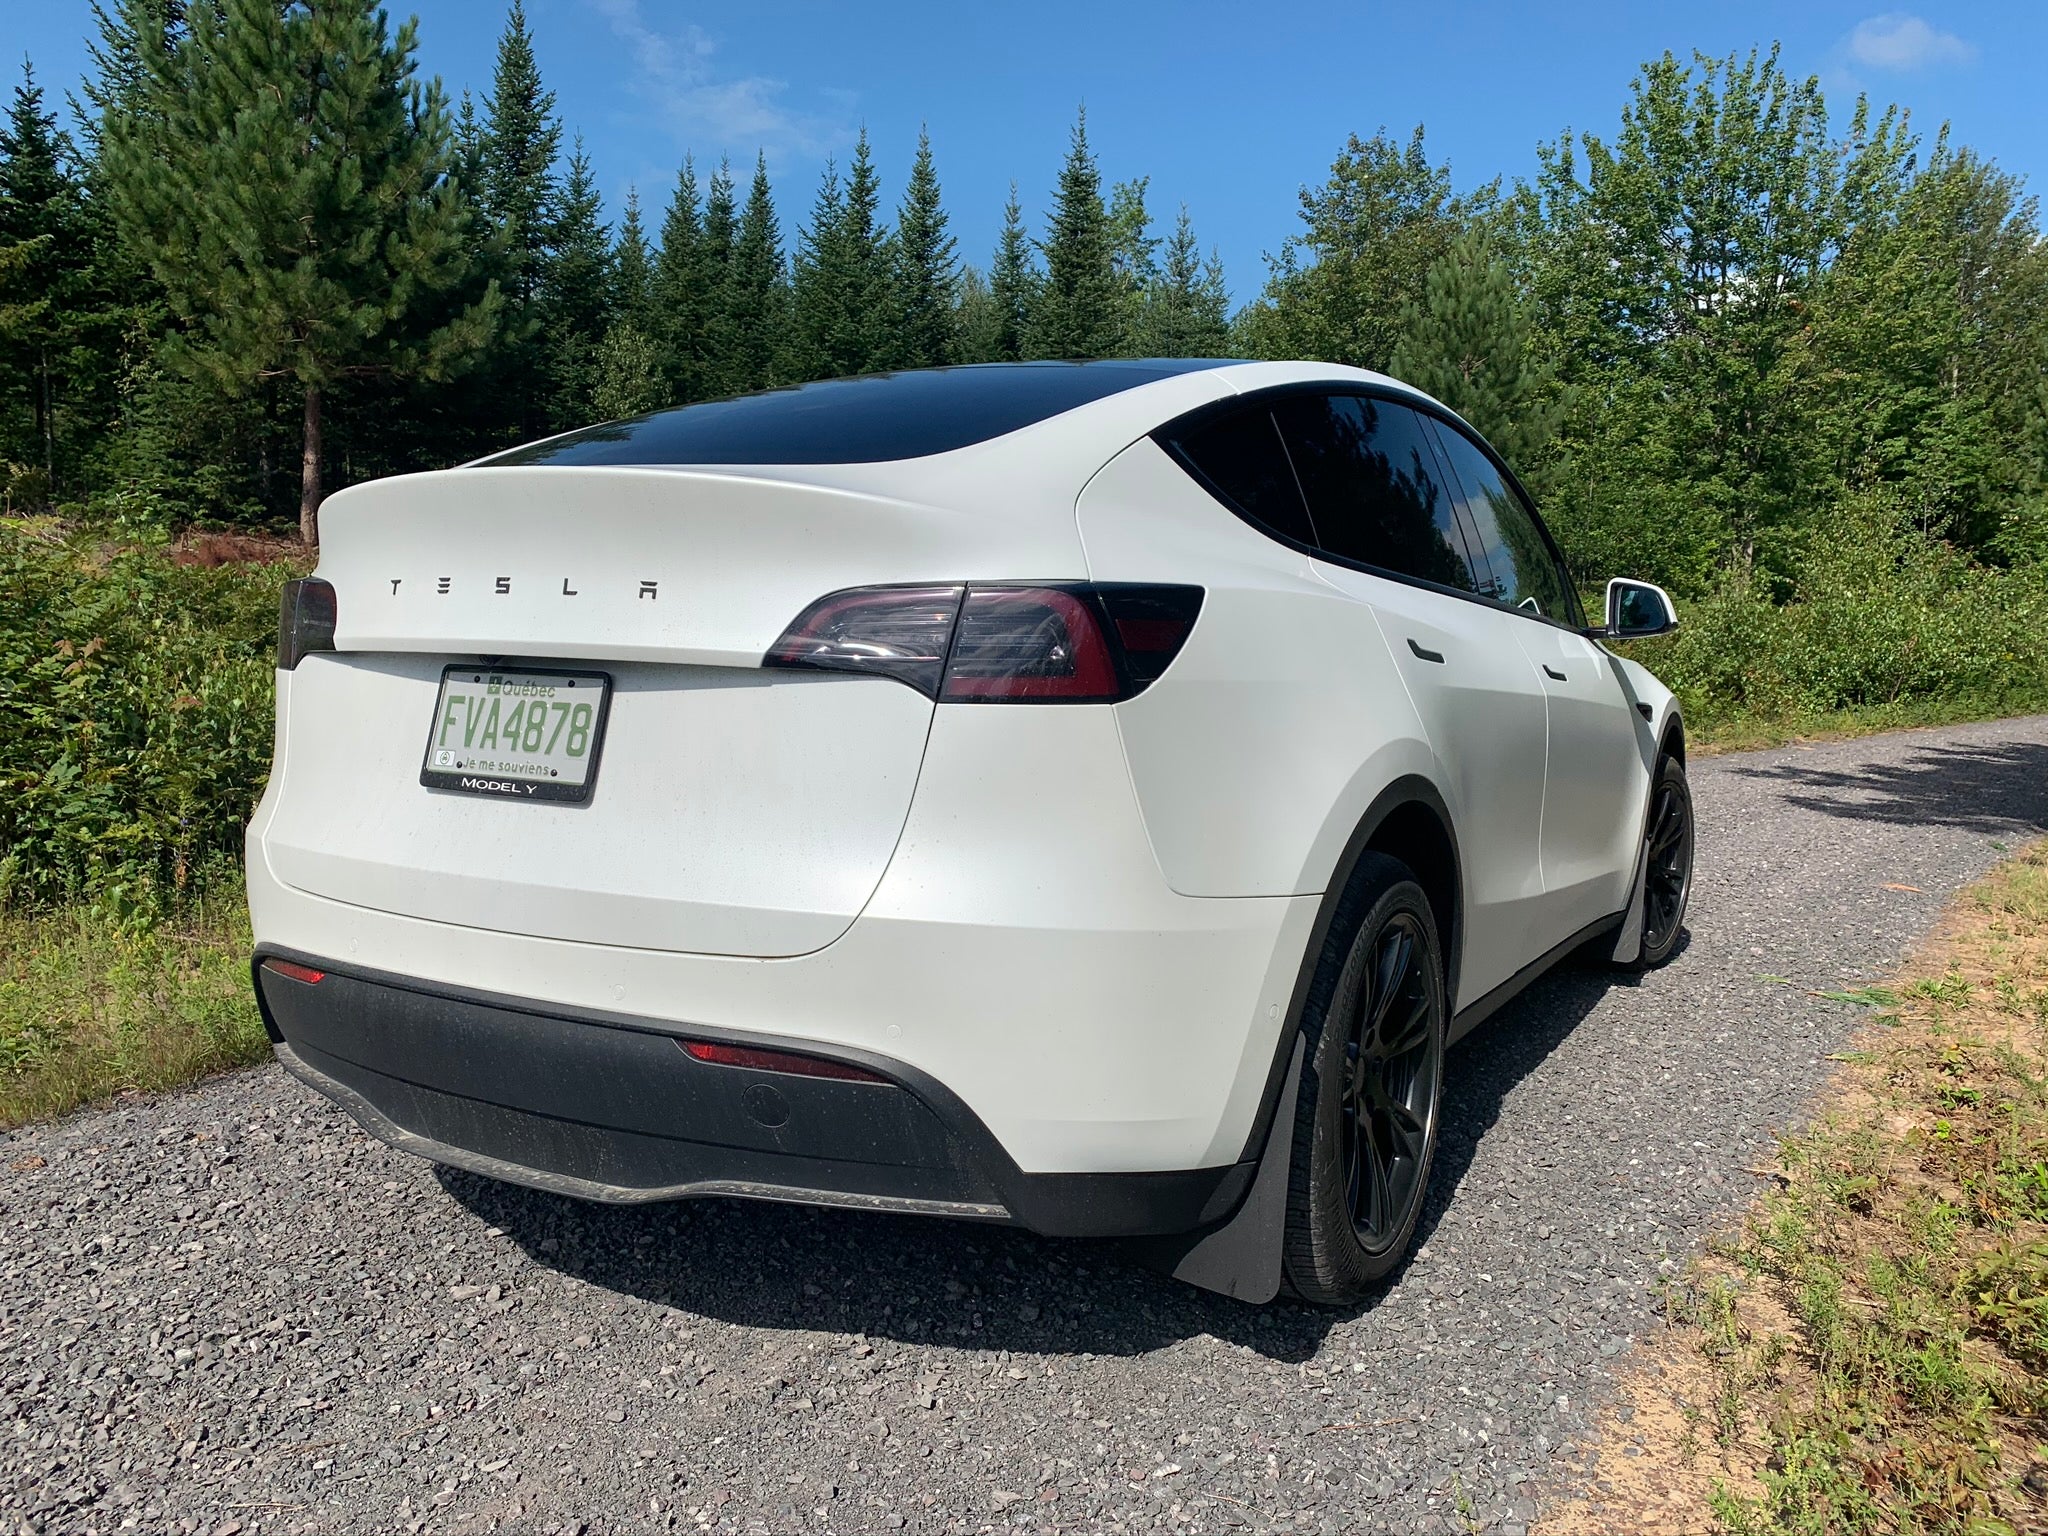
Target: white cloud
(674,72)
(1897,41)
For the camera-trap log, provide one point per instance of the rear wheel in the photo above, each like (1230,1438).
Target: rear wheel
(1667,863)
(1366,1115)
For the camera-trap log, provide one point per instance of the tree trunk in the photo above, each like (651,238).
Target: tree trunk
(309,472)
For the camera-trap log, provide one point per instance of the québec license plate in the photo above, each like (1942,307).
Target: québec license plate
(526,734)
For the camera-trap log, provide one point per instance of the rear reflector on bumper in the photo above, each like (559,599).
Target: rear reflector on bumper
(293,970)
(777,1061)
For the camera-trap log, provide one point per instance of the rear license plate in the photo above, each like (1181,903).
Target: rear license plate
(524,734)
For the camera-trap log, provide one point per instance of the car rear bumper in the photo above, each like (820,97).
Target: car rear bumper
(612,1108)
(1023,949)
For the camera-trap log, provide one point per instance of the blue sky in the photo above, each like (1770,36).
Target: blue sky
(1228,108)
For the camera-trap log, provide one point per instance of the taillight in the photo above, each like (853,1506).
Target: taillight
(1030,643)
(1074,643)
(777,1061)
(305,621)
(899,632)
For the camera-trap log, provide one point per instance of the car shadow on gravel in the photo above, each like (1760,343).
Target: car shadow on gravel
(1976,788)
(964,1285)
(1484,1069)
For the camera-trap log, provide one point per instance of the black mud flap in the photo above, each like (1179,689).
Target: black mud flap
(1240,1256)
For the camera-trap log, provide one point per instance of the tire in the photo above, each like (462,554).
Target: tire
(1366,1114)
(1667,872)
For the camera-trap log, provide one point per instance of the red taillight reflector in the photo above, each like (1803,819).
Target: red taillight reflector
(777,1061)
(295,971)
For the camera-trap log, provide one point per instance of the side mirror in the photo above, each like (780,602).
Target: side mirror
(1637,610)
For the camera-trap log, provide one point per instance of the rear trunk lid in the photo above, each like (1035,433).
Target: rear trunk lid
(735,810)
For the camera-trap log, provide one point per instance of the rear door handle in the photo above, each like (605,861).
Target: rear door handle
(1426,655)
(1552,673)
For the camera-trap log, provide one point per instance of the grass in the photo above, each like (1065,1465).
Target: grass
(90,1009)
(1869,1353)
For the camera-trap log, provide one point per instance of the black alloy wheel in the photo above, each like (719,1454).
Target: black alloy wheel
(1391,1085)
(1667,862)
(1366,1110)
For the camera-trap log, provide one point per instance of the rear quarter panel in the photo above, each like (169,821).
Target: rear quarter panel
(1258,752)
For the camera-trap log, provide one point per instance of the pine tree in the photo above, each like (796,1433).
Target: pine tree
(747,335)
(927,269)
(42,223)
(1077,312)
(302,218)
(1185,308)
(632,269)
(710,341)
(682,291)
(871,248)
(123,28)
(819,282)
(575,303)
(469,149)
(1468,344)
(519,142)
(841,287)
(522,138)
(1012,286)
(628,376)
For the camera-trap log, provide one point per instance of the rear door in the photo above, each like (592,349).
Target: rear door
(1387,537)
(1595,772)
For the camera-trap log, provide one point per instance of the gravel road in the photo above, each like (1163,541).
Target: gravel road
(228,1310)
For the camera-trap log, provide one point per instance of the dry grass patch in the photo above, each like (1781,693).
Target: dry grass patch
(90,1009)
(1869,1353)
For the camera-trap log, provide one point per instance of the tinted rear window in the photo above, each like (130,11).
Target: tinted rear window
(855,421)
(1369,472)
(1243,457)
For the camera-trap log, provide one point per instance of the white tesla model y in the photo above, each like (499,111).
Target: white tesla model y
(1089,796)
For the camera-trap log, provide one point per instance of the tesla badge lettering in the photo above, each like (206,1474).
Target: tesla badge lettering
(504,585)
(394,584)
(498,786)
(441,586)
(647,589)
(567,590)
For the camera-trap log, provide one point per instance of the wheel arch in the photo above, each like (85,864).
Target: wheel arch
(1672,742)
(1407,820)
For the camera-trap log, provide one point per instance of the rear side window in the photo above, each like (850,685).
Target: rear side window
(1519,569)
(1242,456)
(1369,473)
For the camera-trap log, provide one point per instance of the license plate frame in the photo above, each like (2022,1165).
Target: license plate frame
(459,778)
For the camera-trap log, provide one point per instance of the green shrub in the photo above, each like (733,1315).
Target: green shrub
(1882,618)
(135,719)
